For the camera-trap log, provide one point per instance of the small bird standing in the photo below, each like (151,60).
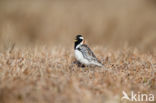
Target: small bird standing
(83,53)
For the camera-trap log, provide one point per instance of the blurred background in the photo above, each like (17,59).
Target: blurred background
(105,23)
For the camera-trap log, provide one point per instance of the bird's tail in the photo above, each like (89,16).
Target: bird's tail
(99,64)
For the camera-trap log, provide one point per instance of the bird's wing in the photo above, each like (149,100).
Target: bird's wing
(87,53)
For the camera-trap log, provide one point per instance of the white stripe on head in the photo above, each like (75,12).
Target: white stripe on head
(81,38)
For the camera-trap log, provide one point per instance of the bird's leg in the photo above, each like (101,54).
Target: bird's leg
(79,64)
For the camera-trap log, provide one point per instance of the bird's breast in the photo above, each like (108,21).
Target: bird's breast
(78,55)
(80,58)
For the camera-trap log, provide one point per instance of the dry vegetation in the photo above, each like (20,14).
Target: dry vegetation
(40,69)
(44,75)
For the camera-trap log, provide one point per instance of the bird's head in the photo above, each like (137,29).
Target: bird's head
(79,40)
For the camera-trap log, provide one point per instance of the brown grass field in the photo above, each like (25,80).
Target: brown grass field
(43,75)
(36,50)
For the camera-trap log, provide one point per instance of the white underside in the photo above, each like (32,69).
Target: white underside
(80,58)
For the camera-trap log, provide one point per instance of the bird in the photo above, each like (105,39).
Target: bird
(84,54)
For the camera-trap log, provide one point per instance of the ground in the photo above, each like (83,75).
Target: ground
(122,34)
(48,75)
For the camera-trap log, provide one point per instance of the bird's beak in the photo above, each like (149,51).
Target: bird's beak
(75,40)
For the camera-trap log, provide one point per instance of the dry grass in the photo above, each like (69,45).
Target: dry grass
(31,73)
(47,75)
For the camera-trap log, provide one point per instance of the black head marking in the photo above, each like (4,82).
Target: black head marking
(78,40)
(78,36)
